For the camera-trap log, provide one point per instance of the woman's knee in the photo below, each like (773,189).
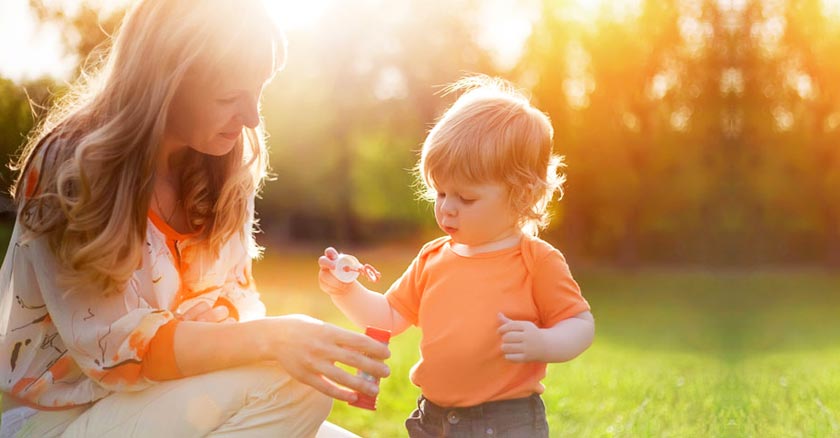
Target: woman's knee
(275,383)
(307,399)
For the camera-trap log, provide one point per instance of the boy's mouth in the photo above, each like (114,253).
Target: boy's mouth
(450,230)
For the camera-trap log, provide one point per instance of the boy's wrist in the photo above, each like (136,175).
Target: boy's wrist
(340,289)
(544,345)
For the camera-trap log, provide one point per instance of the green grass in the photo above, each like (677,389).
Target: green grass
(677,353)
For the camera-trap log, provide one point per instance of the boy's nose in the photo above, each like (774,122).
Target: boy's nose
(448,209)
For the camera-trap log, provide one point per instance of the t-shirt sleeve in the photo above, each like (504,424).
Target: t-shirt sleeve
(404,295)
(118,340)
(556,294)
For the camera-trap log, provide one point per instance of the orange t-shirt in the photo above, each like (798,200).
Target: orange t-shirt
(455,300)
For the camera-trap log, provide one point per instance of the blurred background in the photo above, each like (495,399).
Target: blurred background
(695,132)
(702,209)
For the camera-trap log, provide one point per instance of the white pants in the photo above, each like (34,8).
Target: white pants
(252,401)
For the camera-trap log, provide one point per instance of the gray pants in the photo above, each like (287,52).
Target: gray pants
(516,418)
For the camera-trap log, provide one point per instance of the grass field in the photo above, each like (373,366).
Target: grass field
(677,353)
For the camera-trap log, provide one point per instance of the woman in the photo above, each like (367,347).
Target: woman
(127,304)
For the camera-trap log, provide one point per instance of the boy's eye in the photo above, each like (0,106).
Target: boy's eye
(467,201)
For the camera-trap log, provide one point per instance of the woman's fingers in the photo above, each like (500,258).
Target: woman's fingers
(345,379)
(363,343)
(330,389)
(361,362)
(195,312)
(217,314)
(204,313)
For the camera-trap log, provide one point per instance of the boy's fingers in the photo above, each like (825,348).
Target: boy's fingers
(326,263)
(518,357)
(513,326)
(512,337)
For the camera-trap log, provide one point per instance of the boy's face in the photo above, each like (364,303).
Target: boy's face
(474,214)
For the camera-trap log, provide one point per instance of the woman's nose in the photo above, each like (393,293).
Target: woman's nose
(250,113)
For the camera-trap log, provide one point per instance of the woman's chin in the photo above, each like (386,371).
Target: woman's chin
(217,147)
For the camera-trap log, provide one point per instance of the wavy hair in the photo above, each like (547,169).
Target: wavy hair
(86,173)
(492,134)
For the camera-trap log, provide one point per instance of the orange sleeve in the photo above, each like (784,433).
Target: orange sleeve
(556,294)
(159,362)
(404,294)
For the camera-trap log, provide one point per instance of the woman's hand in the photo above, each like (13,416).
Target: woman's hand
(204,313)
(326,280)
(308,350)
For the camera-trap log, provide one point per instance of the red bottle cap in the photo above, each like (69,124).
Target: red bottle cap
(379,334)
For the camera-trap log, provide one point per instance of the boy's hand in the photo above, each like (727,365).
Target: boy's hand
(326,279)
(522,341)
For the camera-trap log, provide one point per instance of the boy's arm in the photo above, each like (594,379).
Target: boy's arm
(361,305)
(523,341)
(368,308)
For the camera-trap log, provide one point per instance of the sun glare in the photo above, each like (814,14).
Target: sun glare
(586,11)
(296,14)
(831,9)
(504,27)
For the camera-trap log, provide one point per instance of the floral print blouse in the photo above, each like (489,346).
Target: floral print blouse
(59,350)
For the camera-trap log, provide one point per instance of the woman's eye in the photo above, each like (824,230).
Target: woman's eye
(226,100)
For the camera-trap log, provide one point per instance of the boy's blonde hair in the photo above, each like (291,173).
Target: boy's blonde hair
(97,149)
(492,134)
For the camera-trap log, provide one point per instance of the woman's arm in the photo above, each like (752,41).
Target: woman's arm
(305,347)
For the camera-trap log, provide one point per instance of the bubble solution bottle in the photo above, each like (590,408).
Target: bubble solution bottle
(367,401)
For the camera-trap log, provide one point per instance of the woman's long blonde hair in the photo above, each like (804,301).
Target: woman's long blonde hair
(97,149)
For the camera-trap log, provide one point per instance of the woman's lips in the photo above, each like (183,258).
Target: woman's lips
(230,135)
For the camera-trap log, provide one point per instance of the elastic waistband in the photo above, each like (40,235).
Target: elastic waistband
(433,411)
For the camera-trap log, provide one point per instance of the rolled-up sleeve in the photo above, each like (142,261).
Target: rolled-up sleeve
(118,339)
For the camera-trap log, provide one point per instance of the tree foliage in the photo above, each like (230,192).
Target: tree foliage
(695,131)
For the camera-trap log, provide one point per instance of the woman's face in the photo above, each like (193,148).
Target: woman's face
(208,115)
